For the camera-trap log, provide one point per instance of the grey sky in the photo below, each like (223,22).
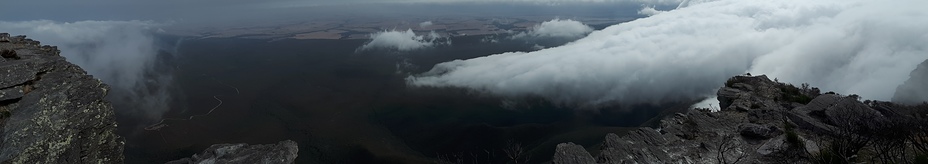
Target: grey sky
(234,10)
(112,39)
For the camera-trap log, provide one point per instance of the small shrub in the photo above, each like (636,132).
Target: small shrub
(5,114)
(793,94)
(803,99)
(921,159)
(854,96)
(704,110)
(791,136)
(825,156)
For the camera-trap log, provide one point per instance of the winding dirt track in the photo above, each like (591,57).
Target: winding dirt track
(161,124)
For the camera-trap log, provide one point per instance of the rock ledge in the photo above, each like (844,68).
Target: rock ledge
(51,111)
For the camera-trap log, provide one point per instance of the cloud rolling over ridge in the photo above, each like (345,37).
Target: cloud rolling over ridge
(120,53)
(857,46)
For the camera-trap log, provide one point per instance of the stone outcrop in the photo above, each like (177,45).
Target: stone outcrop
(51,111)
(572,153)
(284,152)
(760,121)
(914,90)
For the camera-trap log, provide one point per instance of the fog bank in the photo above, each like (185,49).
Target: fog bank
(122,54)
(857,46)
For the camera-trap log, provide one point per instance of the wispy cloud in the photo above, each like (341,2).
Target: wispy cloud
(425,24)
(403,41)
(649,11)
(557,28)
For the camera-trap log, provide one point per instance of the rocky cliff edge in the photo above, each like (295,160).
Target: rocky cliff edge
(764,121)
(51,111)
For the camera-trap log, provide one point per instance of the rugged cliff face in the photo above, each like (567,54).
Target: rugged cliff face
(763,121)
(914,90)
(51,111)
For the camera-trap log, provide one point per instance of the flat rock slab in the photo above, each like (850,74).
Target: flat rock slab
(284,152)
(570,153)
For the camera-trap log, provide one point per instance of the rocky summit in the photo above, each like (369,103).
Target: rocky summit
(764,121)
(51,111)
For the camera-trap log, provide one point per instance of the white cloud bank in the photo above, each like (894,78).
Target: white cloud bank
(121,53)
(425,24)
(403,40)
(847,46)
(557,28)
(649,11)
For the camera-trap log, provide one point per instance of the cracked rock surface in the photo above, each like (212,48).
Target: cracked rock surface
(51,111)
(284,152)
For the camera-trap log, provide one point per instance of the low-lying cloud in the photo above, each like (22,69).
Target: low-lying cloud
(856,46)
(557,28)
(403,40)
(914,90)
(425,24)
(649,11)
(120,53)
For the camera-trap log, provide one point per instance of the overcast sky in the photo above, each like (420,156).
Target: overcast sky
(240,10)
(112,39)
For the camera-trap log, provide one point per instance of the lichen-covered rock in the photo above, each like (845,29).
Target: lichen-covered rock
(11,93)
(51,111)
(284,152)
(640,146)
(570,153)
(749,92)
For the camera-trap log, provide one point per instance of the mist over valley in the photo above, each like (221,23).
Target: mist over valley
(474,81)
